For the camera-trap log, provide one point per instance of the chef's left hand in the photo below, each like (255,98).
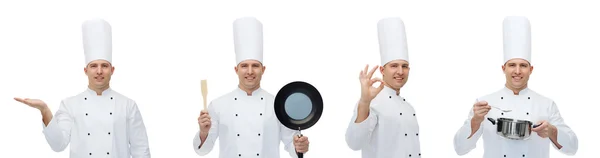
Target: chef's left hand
(545,130)
(301,144)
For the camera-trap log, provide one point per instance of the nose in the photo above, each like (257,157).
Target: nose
(518,71)
(99,71)
(250,70)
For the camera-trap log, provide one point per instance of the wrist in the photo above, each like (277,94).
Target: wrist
(364,101)
(477,119)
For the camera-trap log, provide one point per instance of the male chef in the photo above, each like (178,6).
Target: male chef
(384,124)
(98,122)
(244,119)
(523,103)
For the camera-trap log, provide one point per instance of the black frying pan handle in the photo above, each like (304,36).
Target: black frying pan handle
(492,120)
(300,155)
(535,126)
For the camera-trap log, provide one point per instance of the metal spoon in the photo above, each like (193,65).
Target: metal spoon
(501,109)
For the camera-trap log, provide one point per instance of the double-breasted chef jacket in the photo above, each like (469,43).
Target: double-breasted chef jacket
(246,127)
(107,125)
(390,130)
(527,105)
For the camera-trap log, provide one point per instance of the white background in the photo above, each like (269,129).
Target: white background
(163,50)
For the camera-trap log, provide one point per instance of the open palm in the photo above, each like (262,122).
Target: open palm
(35,103)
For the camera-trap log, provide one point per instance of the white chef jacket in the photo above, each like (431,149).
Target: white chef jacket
(390,130)
(109,125)
(527,105)
(246,127)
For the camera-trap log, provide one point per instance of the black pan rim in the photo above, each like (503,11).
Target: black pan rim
(301,87)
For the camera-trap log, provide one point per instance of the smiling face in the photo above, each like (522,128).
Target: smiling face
(517,72)
(395,73)
(249,74)
(99,73)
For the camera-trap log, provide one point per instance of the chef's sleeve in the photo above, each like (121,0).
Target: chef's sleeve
(136,130)
(58,131)
(565,136)
(359,134)
(287,138)
(462,143)
(213,134)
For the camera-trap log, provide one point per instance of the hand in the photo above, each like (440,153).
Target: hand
(301,144)
(545,129)
(368,92)
(204,121)
(35,103)
(480,109)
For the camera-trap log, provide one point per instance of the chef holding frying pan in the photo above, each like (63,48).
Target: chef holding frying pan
(244,119)
(522,122)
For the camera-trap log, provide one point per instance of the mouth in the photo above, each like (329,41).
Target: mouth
(398,79)
(517,78)
(249,78)
(99,78)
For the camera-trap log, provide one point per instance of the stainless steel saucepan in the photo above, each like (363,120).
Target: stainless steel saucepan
(512,128)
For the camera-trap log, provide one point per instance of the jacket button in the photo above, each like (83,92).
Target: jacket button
(504,155)
(261,98)
(235,114)
(419,154)
(403,99)
(86,99)
(390,96)
(238,135)
(502,113)
(417,134)
(523,155)
(400,113)
(107,153)
(110,113)
(90,153)
(501,97)
(414,114)
(259,134)
(234,98)
(405,134)
(409,155)
(239,154)
(528,97)
(260,114)
(257,154)
(85,114)
(88,134)
(528,113)
(108,133)
(110,98)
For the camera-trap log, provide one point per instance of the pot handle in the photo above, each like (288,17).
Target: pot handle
(535,126)
(493,121)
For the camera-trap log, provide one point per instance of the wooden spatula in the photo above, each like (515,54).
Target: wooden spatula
(204,92)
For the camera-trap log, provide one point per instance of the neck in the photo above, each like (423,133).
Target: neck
(98,90)
(516,90)
(395,89)
(249,90)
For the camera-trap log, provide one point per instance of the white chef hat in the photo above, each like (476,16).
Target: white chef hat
(392,40)
(97,40)
(248,39)
(517,38)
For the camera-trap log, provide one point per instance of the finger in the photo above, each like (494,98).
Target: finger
(380,86)
(376,79)
(366,69)
(372,71)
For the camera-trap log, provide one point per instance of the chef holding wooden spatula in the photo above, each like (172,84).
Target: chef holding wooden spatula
(244,119)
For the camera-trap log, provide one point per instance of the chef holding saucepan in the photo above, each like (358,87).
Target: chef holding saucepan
(517,102)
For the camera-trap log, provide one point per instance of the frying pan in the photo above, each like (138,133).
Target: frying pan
(298,106)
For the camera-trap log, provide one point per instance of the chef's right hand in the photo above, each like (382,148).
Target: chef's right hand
(204,121)
(480,109)
(368,92)
(35,103)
